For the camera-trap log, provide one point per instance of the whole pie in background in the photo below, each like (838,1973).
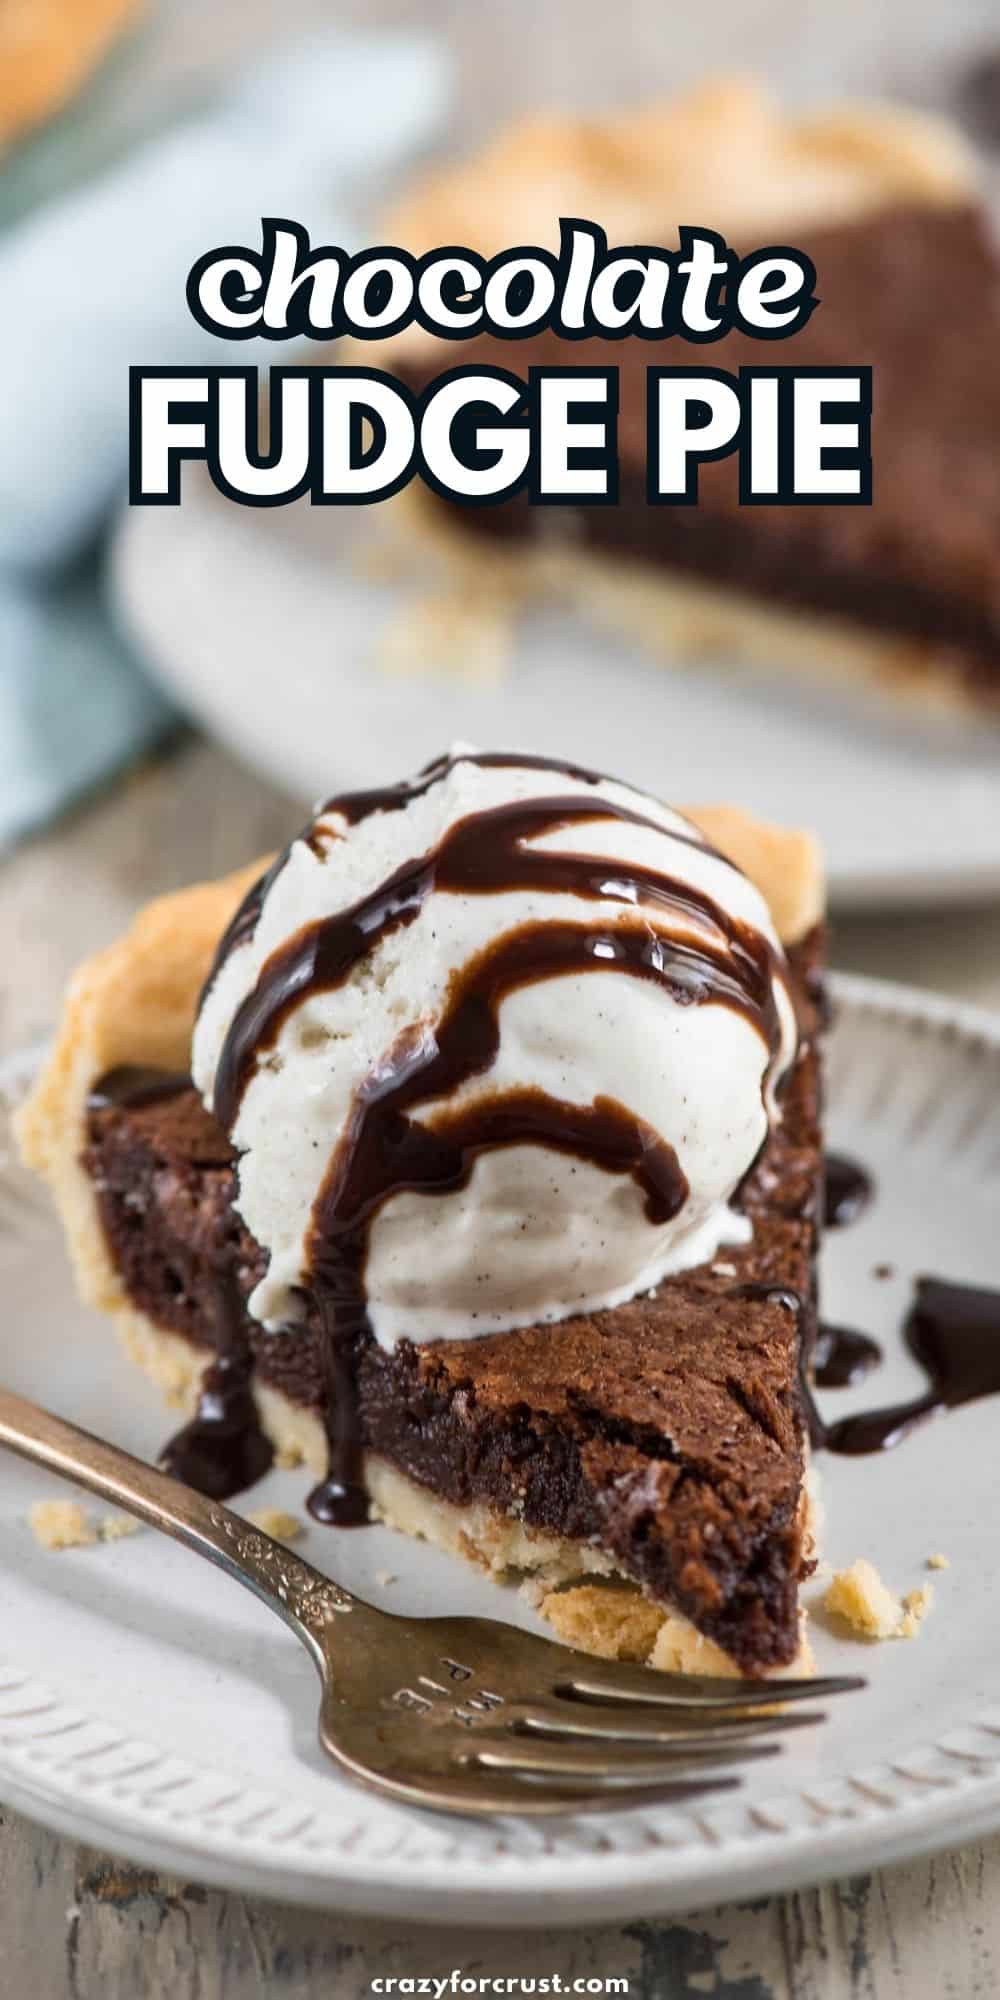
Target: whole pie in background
(904,593)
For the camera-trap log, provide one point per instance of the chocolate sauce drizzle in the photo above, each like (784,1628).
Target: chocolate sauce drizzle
(134,1085)
(848,1190)
(485,854)
(356,806)
(223,1449)
(359,805)
(241,927)
(384,1152)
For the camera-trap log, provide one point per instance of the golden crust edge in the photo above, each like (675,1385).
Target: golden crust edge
(784,863)
(722,153)
(134,1002)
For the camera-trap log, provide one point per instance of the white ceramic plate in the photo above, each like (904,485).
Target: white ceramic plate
(266,627)
(150,1706)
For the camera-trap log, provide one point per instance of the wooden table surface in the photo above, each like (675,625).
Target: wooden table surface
(77,1925)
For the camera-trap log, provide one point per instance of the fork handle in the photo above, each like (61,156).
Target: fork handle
(301,1595)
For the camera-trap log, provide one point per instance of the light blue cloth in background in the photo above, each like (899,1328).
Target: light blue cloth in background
(72,705)
(94,283)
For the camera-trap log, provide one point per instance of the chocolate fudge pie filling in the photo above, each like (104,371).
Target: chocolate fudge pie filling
(358,1049)
(914,581)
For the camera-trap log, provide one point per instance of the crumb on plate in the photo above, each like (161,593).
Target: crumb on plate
(916,1605)
(938,1562)
(870,1608)
(275,1522)
(116,1527)
(61,1524)
(384,1577)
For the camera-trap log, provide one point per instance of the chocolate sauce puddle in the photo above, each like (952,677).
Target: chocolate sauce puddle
(848,1190)
(952,1330)
(954,1333)
(841,1357)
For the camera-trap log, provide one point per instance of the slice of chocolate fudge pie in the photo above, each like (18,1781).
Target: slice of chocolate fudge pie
(904,593)
(471,1155)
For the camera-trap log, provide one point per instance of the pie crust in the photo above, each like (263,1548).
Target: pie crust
(723,155)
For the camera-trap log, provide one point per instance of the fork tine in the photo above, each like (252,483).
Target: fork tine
(632,1724)
(633,1764)
(590,1682)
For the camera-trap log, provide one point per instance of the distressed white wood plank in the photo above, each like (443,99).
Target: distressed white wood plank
(78,1926)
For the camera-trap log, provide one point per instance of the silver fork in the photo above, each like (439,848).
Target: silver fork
(461,1714)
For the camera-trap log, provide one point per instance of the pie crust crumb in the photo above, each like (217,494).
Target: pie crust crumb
(61,1524)
(275,1522)
(64,1524)
(938,1562)
(608,1620)
(916,1605)
(116,1527)
(859,1596)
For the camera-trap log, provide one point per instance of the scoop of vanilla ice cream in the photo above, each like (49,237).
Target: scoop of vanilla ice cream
(536,1234)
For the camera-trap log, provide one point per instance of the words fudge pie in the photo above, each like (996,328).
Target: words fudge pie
(905,591)
(470,1154)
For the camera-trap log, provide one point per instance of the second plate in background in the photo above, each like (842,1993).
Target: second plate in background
(268,629)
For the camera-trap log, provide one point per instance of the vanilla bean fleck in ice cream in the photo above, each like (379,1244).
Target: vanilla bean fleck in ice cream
(495,1046)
